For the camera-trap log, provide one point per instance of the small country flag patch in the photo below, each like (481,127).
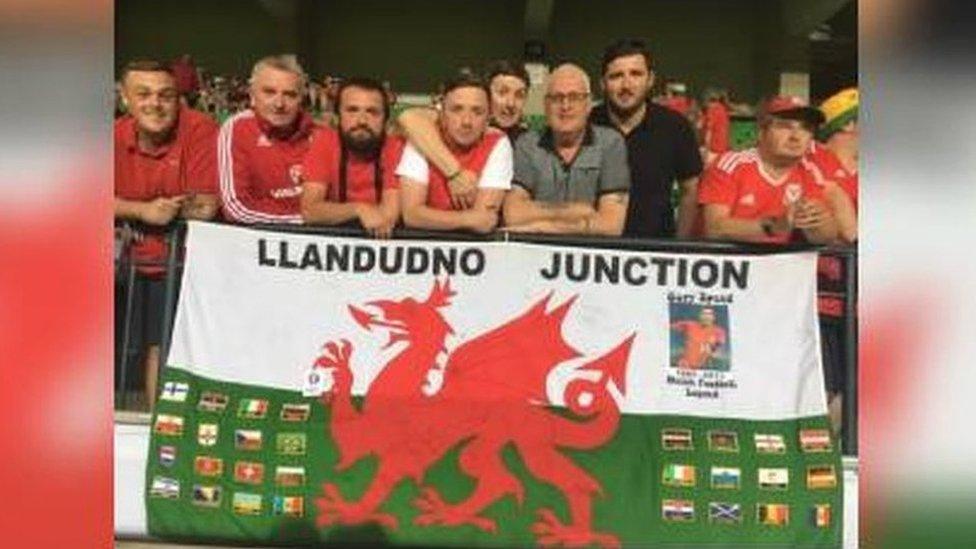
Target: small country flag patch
(773,514)
(289,476)
(207,466)
(679,475)
(206,495)
(821,477)
(678,510)
(724,513)
(726,478)
(676,439)
(815,440)
(295,412)
(167,455)
(247,504)
(169,425)
(773,478)
(247,439)
(211,401)
(164,487)
(174,391)
(288,506)
(290,444)
(820,515)
(723,441)
(249,472)
(207,434)
(769,443)
(253,408)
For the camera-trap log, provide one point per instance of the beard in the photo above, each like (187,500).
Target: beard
(626,112)
(365,143)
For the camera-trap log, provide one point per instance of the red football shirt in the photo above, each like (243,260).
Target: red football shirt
(700,342)
(827,165)
(187,164)
(261,169)
(322,165)
(738,180)
(716,126)
(473,159)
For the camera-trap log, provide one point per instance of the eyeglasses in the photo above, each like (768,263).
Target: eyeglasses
(573,98)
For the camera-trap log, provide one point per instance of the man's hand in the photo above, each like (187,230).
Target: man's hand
(373,220)
(162,210)
(810,215)
(464,190)
(480,220)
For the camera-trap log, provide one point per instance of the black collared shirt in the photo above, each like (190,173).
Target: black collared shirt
(661,151)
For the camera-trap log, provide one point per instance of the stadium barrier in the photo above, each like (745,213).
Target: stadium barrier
(125,272)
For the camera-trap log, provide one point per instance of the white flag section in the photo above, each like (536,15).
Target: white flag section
(731,336)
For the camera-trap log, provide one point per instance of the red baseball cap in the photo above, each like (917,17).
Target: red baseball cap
(791,107)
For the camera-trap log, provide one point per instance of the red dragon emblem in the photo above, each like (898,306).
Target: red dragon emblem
(491,392)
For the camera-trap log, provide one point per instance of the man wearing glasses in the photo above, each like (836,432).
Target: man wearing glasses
(573,178)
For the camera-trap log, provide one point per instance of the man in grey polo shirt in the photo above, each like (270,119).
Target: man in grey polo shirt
(574,177)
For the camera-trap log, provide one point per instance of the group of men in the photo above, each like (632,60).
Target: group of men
(471,165)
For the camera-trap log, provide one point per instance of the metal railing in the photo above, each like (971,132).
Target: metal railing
(848,256)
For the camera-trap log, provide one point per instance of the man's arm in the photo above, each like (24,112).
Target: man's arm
(416,213)
(419,125)
(688,210)
(720,225)
(159,211)
(608,219)
(844,211)
(519,209)
(318,210)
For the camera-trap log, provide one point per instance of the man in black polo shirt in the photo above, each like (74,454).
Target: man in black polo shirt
(661,145)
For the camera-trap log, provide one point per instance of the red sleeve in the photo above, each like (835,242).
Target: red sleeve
(717,187)
(392,151)
(317,159)
(241,202)
(201,168)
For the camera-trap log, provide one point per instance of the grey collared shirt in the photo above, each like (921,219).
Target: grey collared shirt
(600,167)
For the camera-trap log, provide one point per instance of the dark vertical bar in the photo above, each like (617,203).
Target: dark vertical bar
(169,300)
(127,354)
(850,353)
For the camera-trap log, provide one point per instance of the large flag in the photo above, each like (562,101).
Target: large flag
(491,394)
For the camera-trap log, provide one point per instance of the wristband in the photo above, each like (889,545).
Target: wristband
(453,175)
(767,226)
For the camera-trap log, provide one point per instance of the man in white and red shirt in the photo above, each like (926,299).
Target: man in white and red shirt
(463,123)
(767,193)
(261,149)
(350,174)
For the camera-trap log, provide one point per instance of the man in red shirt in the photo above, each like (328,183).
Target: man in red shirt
(350,175)
(702,339)
(426,197)
(261,149)
(835,155)
(715,125)
(165,166)
(765,193)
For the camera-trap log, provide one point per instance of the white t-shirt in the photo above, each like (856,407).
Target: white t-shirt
(497,173)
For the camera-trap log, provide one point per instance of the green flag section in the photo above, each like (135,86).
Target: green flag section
(207,481)
(490,394)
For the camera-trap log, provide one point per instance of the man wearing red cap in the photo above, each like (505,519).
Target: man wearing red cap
(165,166)
(766,193)
(262,148)
(350,174)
